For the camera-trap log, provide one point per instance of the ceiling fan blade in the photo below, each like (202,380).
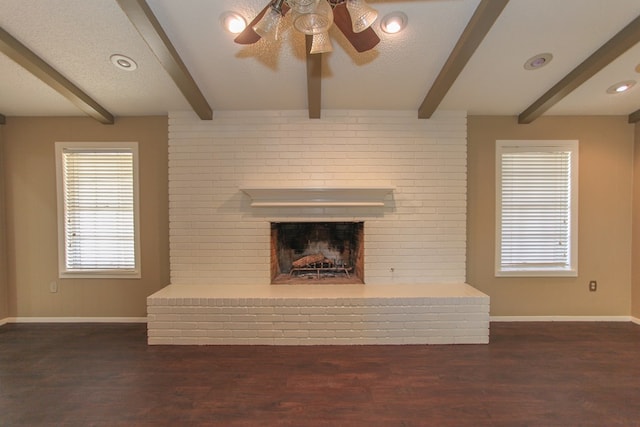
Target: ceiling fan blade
(248,36)
(363,41)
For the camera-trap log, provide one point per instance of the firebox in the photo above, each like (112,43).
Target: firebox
(317,253)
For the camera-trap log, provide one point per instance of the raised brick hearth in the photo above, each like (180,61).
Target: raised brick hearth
(318,315)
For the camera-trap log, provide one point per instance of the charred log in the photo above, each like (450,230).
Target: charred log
(307,260)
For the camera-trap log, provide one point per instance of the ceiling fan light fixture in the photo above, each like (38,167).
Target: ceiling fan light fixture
(267,27)
(233,22)
(322,14)
(394,22)
(621,87)
(321,43)
(316,22)
(362,15)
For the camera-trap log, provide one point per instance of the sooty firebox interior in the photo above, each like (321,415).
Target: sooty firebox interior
(317,253)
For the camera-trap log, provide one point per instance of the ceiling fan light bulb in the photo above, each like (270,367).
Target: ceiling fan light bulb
(321,43)
(362,15)
(267,27)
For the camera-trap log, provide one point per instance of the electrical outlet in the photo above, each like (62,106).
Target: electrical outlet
(593,286)
(53,287)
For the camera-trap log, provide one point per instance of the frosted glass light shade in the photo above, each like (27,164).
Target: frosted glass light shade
(317,21)
(267,27)
(321,43)
(303,6)
(362,15)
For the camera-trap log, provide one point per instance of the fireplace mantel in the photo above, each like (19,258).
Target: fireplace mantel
(317,197)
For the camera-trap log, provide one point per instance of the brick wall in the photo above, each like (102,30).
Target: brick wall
(217,238)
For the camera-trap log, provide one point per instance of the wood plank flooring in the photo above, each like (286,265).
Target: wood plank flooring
(531,374)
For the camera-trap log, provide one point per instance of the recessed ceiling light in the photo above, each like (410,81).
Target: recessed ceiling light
(621,87)
(538,61)
(394,22)
(233,22)
(123,62)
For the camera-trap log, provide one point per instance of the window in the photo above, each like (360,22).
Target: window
(98,209)
(536,208)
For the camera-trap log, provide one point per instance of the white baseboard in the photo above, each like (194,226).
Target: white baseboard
(76,320)
(492,319)
(561,318)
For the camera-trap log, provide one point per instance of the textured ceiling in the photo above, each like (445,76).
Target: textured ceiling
(77,37)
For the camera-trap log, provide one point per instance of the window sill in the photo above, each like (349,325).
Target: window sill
(100,275)
(538,273)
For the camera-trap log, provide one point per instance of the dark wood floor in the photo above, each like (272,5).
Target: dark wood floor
(532,374)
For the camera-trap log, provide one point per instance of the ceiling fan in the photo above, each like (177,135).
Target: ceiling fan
(314,18)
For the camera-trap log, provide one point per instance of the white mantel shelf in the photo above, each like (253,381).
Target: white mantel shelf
(317,197)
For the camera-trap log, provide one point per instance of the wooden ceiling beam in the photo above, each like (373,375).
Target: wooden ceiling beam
(24,57)
(479,25)
(314,80)
(143,19)
(634,117)
(616,46)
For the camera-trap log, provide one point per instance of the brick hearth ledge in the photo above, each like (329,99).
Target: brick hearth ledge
(318,314)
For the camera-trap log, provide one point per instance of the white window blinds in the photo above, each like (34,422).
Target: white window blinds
(99,210)
(537,221)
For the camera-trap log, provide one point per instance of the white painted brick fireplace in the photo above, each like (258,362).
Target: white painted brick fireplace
(219,242)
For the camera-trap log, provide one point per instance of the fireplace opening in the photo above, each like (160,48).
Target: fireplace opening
(317,253)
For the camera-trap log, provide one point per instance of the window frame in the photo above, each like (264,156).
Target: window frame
(530,146)
(63,271)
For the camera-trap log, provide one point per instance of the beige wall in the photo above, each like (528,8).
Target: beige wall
(606,186)
(31,218)
(635,291)
(605,218)
(4,287)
